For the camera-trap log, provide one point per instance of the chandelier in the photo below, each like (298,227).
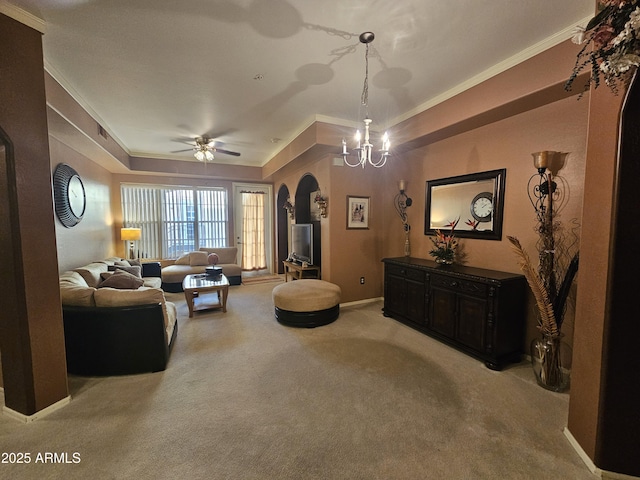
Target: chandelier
(204,149)
(364,149)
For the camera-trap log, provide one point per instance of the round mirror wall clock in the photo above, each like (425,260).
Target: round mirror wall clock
(482,206)
(68,194)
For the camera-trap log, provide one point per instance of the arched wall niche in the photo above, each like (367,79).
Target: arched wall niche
(282,227)
(303,205)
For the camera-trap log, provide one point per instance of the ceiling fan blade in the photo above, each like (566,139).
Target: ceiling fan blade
(226,152)
(219,133)
(185,150)
(185,140)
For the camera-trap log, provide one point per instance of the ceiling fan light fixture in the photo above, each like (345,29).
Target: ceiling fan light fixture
(204,149)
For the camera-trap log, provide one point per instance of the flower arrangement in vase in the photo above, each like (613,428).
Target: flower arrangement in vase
(614,34)
(444,245)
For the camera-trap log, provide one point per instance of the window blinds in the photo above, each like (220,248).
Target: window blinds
(176,220)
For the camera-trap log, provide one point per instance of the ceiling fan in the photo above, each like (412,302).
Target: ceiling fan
(205,148)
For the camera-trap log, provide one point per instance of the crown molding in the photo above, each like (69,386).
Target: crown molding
(60,79)
(498,68)
(22,16)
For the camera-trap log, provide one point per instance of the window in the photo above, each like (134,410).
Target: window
(176,220)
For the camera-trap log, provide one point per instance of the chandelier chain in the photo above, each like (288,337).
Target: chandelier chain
(363,152)
(365,88)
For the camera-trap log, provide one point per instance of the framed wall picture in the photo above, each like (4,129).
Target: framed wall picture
(357,212)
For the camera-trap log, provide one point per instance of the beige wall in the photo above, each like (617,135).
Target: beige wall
(560,126)
(357,253)
(93,238)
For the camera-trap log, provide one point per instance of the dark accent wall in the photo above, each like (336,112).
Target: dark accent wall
(282,228)
(31,332)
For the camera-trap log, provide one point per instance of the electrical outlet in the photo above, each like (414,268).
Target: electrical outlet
(361,280)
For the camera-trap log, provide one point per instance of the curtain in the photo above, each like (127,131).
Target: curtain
(253,242)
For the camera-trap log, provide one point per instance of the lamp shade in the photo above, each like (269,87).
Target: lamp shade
(130,233)
(542,160)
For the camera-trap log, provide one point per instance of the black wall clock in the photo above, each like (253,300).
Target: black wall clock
(482,206)
(68,194)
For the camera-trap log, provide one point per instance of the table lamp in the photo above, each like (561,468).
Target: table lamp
(131,235)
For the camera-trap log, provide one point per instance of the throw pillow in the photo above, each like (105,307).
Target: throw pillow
(198,258)
(135,262)
(91,273)
(213,259)
(122,279)
(122,263)
(183,259)
(137,271)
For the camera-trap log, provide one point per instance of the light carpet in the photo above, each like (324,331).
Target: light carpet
(244,397)
(247,280)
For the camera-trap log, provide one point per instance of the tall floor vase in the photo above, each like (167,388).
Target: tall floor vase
(549,360)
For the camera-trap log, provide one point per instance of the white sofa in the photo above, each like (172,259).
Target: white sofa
(174,271)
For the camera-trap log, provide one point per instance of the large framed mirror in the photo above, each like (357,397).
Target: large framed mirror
(475,200)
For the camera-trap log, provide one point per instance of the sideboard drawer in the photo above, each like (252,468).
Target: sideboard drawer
(459,285)
(396,270)
(415,274)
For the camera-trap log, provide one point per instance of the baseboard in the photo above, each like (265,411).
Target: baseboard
(360,302)
(604,474)
(615,476)
(578,448)
(38,415)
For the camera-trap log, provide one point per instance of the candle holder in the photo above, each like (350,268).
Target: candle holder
(402,202)
(289,208)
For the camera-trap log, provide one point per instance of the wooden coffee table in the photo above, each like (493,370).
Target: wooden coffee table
(196,285)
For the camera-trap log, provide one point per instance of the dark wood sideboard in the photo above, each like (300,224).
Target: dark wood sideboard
(481,312)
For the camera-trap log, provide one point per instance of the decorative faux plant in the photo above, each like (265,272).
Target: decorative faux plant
(614,34)
(444,246)
(473,223)
(322,204)
(551,304)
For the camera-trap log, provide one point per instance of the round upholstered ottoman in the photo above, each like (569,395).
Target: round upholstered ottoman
(306,303)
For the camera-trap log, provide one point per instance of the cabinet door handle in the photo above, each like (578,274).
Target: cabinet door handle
(454,284)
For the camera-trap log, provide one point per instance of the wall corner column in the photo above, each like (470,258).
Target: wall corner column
(31,329)
(604,386)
